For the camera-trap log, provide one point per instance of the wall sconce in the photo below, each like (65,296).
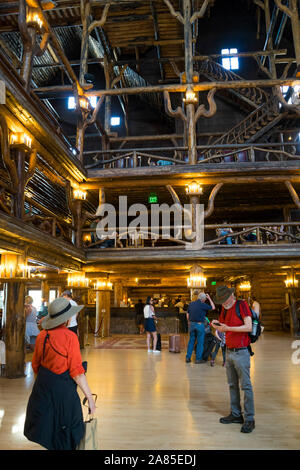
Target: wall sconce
(87,238)
(79,194)
(194,189)
(103,285)
(291,282)
(34,18)
(13,267)
(245,286)
(191,96)
(20,140)
(78,280)
(39,275)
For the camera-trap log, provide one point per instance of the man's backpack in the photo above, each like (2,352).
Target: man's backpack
(256,331)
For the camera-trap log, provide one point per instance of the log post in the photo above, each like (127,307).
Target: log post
(13,323)
(45,290)
(118,293)
(103,312)
(77,218)
(80,296)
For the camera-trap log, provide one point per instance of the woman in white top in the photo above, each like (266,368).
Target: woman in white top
(150,327)
(72,323)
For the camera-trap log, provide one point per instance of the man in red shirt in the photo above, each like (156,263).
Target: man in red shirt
(237,356)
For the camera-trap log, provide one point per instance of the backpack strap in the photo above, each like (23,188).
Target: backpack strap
(47,337)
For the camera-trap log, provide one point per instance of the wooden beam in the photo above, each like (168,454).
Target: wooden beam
(177,88)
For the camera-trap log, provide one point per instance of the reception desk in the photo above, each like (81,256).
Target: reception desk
(123,320)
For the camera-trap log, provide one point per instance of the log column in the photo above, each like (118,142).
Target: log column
(103,312)
(13,323)
(118,293)
(45,291)
(80,296)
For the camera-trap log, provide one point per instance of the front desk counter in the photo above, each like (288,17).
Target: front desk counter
(123,320)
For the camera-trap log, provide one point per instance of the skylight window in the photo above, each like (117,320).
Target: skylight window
(115,121)
(230,63)
(72,104)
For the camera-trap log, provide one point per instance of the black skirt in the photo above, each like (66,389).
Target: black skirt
(54,414)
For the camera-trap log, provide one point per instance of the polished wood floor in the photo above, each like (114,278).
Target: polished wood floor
(160,402)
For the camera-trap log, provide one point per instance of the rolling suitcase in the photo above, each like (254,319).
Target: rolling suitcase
(174,343)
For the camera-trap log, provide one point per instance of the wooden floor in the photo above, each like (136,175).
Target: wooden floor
(160,402)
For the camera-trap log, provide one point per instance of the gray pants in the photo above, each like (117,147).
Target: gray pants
(238,373)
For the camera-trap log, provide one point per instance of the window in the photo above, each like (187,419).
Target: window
(230,63)
(52,295)
(37,298)
(115,121)
(72,104)
(1,300)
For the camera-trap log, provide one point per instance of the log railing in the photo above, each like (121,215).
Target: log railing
(219,153)
(227,235)
(52,226)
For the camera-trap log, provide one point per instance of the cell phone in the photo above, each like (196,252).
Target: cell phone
(217,323)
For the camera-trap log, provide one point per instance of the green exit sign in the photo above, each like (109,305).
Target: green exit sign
(213,283)
(152,198)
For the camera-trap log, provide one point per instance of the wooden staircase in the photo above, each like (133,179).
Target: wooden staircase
(245,98)
(264,108)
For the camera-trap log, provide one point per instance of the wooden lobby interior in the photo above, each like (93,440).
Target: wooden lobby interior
(131,108)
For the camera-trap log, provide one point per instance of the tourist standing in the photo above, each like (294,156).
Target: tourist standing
(196,316)
(31,328)
(150,327)
(237,356)
(72,323)
(54,415)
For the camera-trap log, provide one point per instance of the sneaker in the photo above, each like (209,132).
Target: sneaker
(201,361)
(156,351)
(224,364)
(150,351)
(248,426)
(212,363)
(187,359)
(232,419)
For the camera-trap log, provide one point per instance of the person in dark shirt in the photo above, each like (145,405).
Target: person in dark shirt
(196,316)
(139,310)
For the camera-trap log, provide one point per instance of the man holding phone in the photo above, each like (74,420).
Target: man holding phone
(237,356)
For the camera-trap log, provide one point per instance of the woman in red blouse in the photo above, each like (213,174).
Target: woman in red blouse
(54,414)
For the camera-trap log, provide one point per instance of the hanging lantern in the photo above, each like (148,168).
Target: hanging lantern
(197,279)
